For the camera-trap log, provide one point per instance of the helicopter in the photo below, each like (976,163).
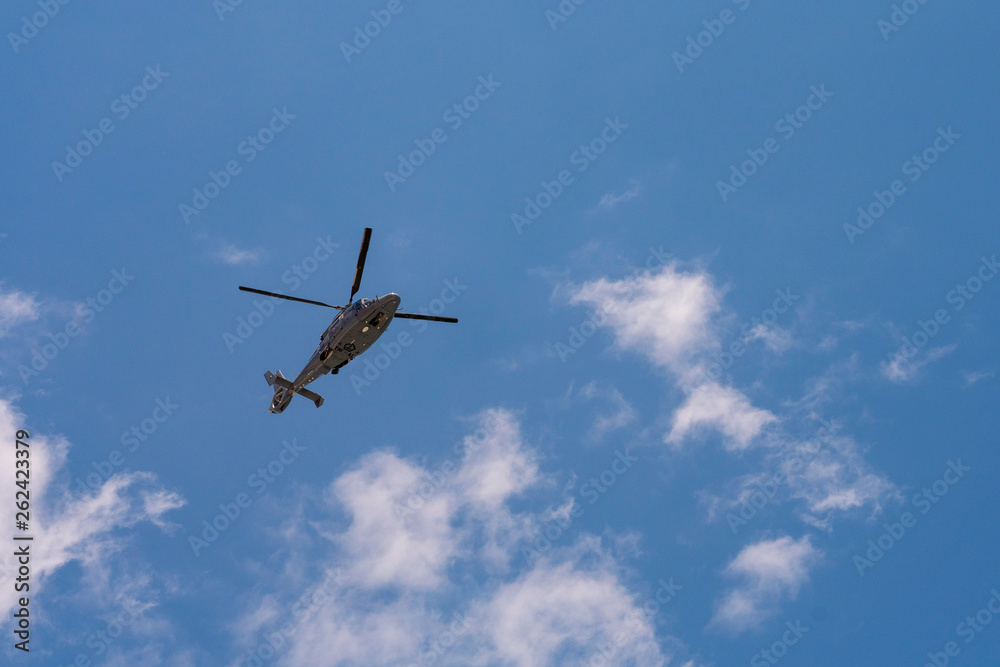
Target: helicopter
(354,329)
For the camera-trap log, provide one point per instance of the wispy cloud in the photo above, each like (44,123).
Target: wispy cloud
(622,413)
(16,308)
(830,474)
(903,369)
(230,254)
(675,319)
(610,200)
(827,473)
(972,377)
(771,571)
(83,529)
(776,339)
(671,317)
(842,330)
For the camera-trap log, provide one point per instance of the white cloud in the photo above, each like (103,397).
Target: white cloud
(903,369)
(610,200)
(673,318)
(670,317)
(17,308)
(84,529)
(771,571)
(394,544)
(230,254)
(844,330)
(831,474)
(423,588)
(498,465)
(776,339)
(562,612)
(972,377)
(385,550)
(722,408)
(622,413)
(666,316)
(827,473)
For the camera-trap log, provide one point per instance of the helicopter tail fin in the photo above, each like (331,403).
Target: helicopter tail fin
(283,391)
(280,384)
(277,379)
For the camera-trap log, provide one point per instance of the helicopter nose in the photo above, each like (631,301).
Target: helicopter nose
(391,297)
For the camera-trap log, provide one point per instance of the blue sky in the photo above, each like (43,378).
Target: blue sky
(690,394)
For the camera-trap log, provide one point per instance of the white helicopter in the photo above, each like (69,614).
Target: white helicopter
(355,328)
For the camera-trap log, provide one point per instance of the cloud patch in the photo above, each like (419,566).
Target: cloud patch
(234,256)
(622,413)
(901,369)
(770,571)
(16,308)
(671,317)
(722,408)
(610,200)
(445,583)
(84,529)
(972,377)
(675,318)
(666,316)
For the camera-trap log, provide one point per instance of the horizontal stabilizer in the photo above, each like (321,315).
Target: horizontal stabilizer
(311,395)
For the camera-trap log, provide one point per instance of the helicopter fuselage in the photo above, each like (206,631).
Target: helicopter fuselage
(352,331)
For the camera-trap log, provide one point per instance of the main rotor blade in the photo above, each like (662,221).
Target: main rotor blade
(429,318)
(361,263)
(290,298)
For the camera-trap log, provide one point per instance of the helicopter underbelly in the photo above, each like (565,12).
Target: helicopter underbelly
(359,335)
(351,333)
